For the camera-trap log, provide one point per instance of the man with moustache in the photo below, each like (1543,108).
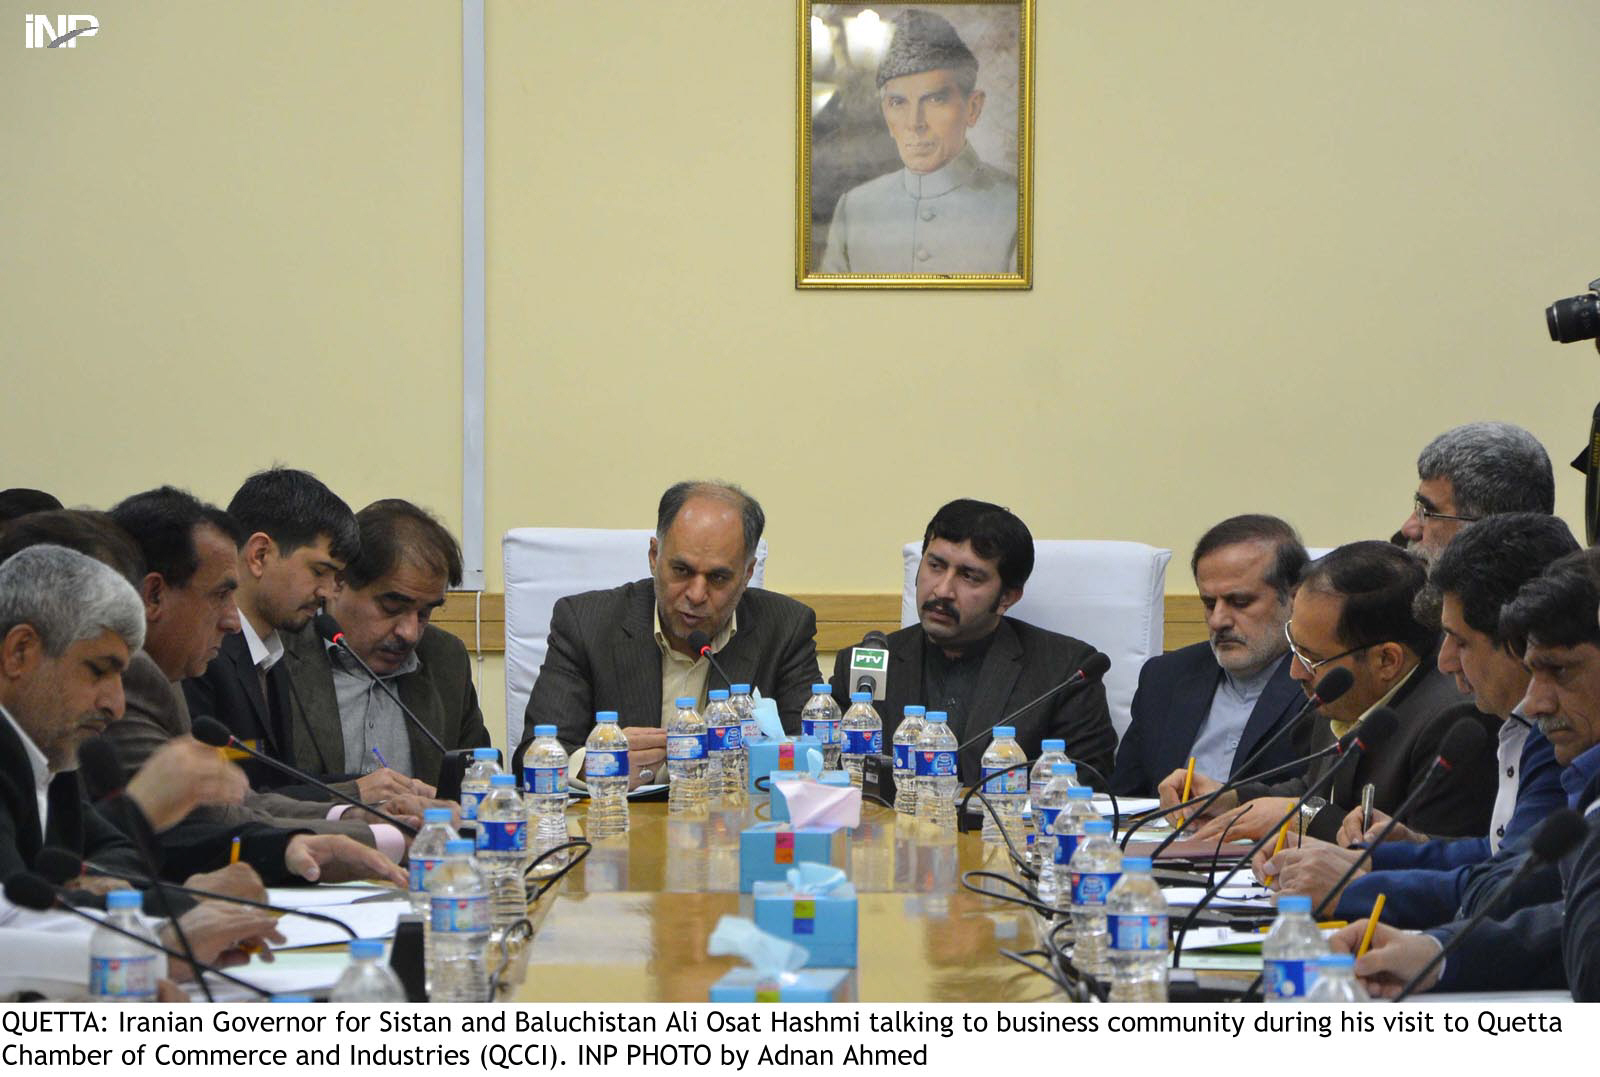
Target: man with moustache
(1220,700)
(1472,471)
(967,658)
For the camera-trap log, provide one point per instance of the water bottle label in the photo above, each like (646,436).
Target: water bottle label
(724,738)
(467,915)
(1047,820)
(863,741)
(902,757)
(1013,781)
(1287,979)
(826,731)
(1091,887)
(683,746)
(122,977)
(1142,932)
(469,804)
(606,764)
(1066,845)
(421,869)
(503,836)
(936,764)
(549,780)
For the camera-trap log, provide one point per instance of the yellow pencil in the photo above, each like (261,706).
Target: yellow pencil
(1372,924)
(1188,787)
(1283,835)
(233,853)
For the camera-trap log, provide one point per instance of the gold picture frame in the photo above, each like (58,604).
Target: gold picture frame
(920,123)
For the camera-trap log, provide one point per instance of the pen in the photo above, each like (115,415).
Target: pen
(233,853)
(1283,834)
(379,756)
(1367,793)
(1372,925)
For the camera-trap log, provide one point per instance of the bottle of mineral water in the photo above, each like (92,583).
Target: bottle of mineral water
(905,760)
(1072,824)
(605,771)
(1290,951)
(367,979)
(936,772)
(544,773)
(1048,804)
(1336,980)
(1096,867)
(1051,752)
(458,918)
(686,759)
(427,853)
(862,734)
(744,705)
(820,718)
(725,752)
(503,849)
(1136,928)
(122,969)
(1007,792)
(475,782)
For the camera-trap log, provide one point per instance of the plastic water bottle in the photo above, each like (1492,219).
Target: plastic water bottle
(905,760)
(475,782)
(503,849)
(1071,824)
(1048,804)
(744,705)
(1136,928)
(936,772)
(726,761)
(862,734)
(686,759)
(1289,952)
(1051,752)
(605,771)
(1096,867)
(820,718)
(1007,792)
(427,853)
(1336,981)
(367,979)
(544,774)
(120,969)
(458,919)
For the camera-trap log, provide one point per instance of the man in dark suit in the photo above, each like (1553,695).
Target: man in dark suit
(1220,700)
(383,600)
(966,658)
(1354,608)
(627,649)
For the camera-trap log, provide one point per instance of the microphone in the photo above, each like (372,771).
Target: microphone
(1464,740)
(28,891)
(58,865)
(700,644)
(208,730)
(1334,684)
(869,665)
(1556,836)
(1378,727)
(1094,667)
(329,630)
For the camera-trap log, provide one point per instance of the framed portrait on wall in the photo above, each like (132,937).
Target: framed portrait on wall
(915,145)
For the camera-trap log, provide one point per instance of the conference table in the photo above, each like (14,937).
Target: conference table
(631,922)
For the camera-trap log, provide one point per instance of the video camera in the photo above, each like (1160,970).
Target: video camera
(1570,319)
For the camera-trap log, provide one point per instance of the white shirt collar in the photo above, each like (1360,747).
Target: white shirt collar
(264,653)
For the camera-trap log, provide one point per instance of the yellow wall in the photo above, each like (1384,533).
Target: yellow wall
(1277,248)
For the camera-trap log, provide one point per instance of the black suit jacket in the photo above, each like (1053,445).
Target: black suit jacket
(1022,663)
(230,692)
(1171,704)
(603,656)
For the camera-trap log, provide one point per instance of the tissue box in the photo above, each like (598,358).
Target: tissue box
(824,924)
(768,850)
(767,756)
(780,803)
(807,985)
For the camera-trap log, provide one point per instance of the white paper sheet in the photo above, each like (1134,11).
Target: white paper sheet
(369,920)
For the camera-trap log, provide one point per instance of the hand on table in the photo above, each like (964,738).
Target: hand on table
(1393,959)
(1350,832)
(334,858)
(1170,792)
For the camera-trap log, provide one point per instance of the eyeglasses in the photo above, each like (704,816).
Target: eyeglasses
(1312,667)
(1423,513)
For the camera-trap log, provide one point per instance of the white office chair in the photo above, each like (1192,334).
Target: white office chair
(544,564)
(1108,594)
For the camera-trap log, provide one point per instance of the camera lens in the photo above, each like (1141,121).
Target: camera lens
(1573,319)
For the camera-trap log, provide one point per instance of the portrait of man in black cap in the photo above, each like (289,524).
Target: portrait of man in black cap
(935,207)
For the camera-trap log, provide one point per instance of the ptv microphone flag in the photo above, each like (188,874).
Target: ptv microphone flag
(869,670)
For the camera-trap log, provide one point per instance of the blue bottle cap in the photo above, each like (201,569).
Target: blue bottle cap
(740,689)
(860,697)
(684,701)
(366,947)
(1099,828)
(502,781)
(124,899)
(1061,770)
(1005,731)
(1053,745)
(291,998)
(1294,903)
(486,753)
(1079,792)
(459,847)
(717,694)
(605,716)
(1327,961)
(937,716)
(436,815)
(1136,864)
(544,730)
(821,690)
(914,710)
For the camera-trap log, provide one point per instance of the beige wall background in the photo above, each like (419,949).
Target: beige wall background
(1278,247)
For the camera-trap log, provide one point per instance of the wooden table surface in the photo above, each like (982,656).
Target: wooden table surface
(631,923)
